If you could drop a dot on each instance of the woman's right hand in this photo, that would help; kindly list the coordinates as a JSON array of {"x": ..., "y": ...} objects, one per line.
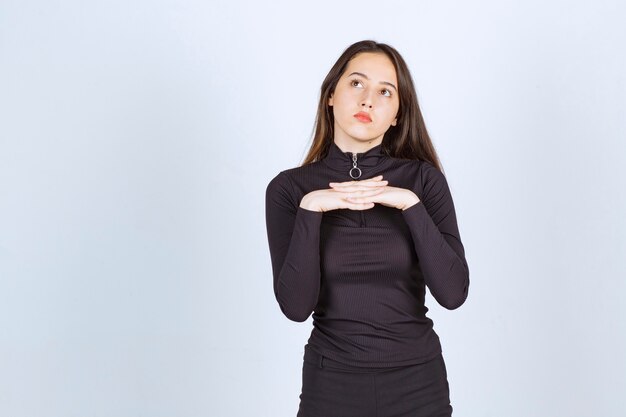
[{"x": 330, "y": 199}]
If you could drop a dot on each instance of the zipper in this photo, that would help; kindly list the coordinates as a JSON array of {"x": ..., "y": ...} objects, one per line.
[{"x": 355, "y": 172}]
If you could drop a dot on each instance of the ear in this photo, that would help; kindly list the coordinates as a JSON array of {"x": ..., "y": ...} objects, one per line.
[
  {"x": 395, "y": 121},
  {"x": 330, "y": 100}
]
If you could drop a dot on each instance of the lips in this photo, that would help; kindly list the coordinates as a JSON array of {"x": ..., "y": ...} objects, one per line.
[{"x": 364, "y": 117}]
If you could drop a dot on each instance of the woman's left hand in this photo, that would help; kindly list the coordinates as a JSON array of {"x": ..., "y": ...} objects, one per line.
[{"x": 399, "y": 198}]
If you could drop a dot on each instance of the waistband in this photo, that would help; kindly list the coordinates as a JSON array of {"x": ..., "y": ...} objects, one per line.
[{"x": 317, "y": 359}]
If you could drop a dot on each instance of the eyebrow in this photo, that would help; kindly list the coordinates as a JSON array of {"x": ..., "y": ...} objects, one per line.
[{"x": 367, "y": 78}]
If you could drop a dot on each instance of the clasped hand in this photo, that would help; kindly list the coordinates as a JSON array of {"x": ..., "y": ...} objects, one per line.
[{"x": 359, "y": 195}]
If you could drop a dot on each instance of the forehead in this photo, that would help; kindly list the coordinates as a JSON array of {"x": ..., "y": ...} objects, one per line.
[{"x": 377, "y": 66}]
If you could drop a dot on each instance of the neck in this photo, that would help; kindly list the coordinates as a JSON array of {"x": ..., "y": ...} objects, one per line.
[
  {"x": 367, "y": 161},
  {"x": 357, "y": 147}
]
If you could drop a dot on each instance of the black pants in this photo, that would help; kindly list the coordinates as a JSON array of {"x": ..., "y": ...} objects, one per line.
[{"x": 332, "y": 389}]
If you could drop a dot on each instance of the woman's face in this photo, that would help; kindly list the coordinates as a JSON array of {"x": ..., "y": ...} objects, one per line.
[{"x": 365, "y": 101}]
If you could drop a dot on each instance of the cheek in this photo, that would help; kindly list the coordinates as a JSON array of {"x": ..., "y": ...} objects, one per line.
[
  {"x": 343, "y": 103},
  {"x": 348, "y": 94},
  {"x": 394, "y": 108},
  {"x": 390, "y": 110}
]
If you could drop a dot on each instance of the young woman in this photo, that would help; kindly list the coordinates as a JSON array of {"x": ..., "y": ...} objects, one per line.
[{"x": 355, "y": 234}]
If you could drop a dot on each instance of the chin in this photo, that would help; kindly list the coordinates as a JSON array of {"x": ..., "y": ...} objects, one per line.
[{"x": 361, "y": 137}]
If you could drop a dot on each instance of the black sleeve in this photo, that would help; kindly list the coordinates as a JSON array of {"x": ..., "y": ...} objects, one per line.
[
  {"x": 293, "y": 234},
  {"x": 437, "y": 241}
]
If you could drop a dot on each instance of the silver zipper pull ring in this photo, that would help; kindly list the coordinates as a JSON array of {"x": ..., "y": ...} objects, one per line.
[{"x": 354, "y": 167}]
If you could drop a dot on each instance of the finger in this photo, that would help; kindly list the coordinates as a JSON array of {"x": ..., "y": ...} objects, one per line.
[
  {"x": 361, "y": 200},
  {"x": 360, "y": 206},
  {"x": 374, "y": 180},
  {"x": 360, "y": 193},
  {"x": 358, "y": 186}
]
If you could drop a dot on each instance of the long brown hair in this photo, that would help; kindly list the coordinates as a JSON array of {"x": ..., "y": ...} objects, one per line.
[{"x": 409, "y": 139}]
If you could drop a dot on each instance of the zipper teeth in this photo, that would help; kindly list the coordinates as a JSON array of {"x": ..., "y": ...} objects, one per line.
[{"x": 354, "y": 166}]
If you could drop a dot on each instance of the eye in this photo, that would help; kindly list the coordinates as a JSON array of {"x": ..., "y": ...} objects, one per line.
[
  {"x": 385, "y": 92},
  {"x": 355, "y": 83}
]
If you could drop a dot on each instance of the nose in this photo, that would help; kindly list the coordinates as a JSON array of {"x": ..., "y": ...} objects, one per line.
[{"x": 366, "y": 100}]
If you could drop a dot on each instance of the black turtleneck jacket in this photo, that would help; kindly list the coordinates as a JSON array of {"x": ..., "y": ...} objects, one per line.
[{"x": 362, "y": 273}]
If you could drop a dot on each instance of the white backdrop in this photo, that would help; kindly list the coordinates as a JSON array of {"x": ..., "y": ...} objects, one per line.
[{"x": 136, "y": 142}]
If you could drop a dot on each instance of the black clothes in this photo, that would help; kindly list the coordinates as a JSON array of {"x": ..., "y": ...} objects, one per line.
[
  {"x": 330, "y": 388},
  {"x": 363, "y": 272}
]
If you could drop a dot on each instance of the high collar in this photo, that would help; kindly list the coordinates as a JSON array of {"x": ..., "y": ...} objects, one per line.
[{"x": 343, "y": 161}]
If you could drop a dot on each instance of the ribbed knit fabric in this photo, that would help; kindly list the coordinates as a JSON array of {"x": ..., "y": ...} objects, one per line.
[{"x": 362, "y": 273}]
